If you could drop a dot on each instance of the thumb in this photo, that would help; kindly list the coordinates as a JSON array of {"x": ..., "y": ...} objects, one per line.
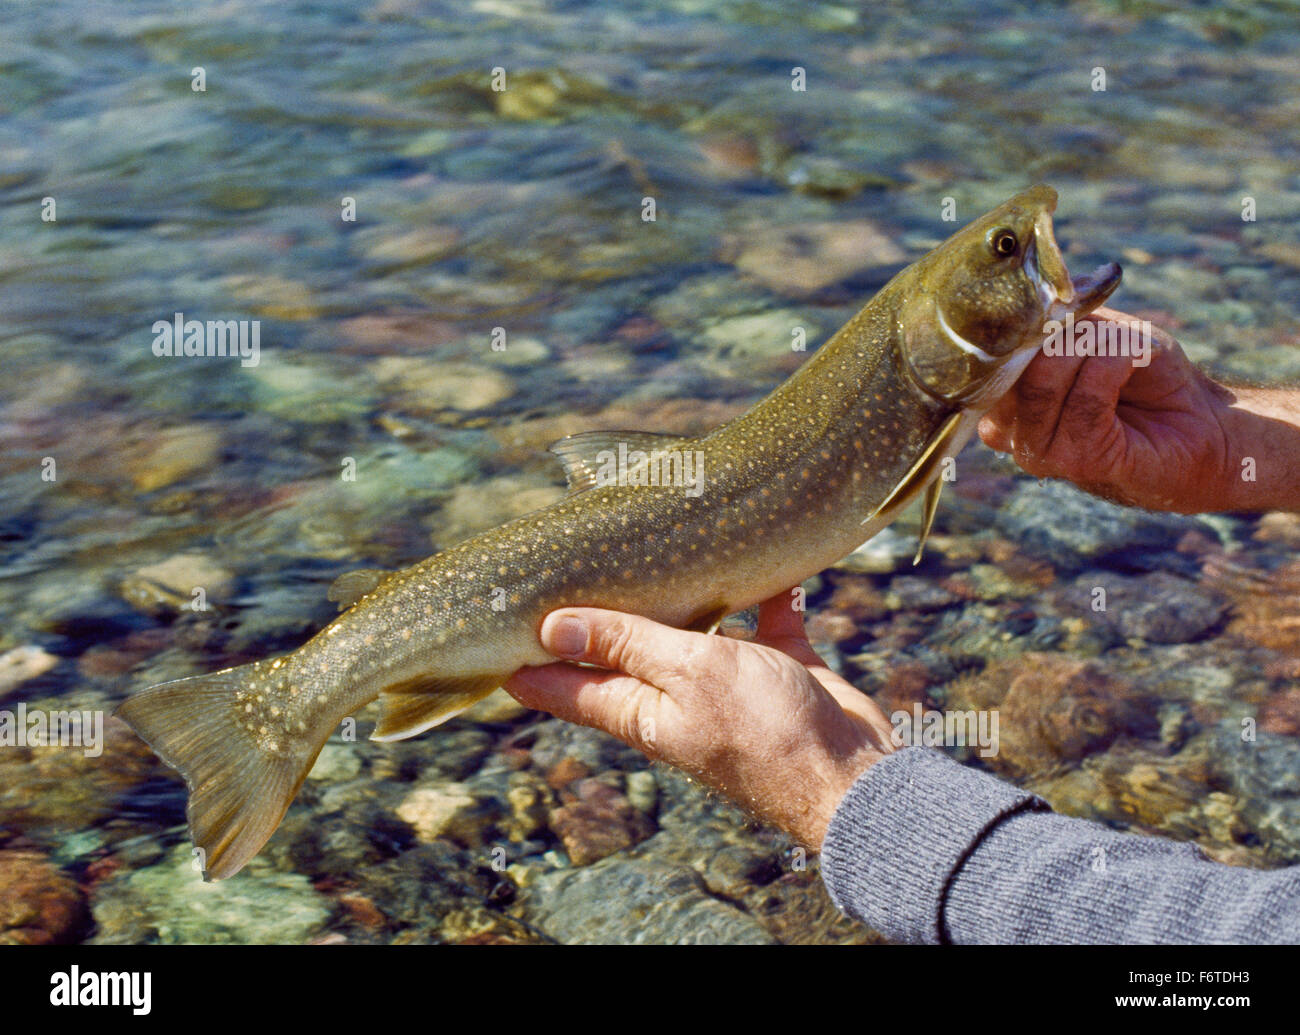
[
  {"x": 619, "y": 642},
  {"x": 627, "y": 700}
]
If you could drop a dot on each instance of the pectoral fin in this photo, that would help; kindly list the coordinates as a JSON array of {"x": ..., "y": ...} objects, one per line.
[
  {"x": 583, "y": 455},
  {"x": 927, "y": 519},
  {"x": 923, "y": 472}
]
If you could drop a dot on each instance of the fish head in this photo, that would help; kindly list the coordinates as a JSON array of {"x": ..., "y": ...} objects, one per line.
[{"x": 976, "y": 318}]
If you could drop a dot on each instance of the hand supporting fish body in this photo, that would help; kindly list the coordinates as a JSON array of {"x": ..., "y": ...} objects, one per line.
[{"x": 776, "y": 495}]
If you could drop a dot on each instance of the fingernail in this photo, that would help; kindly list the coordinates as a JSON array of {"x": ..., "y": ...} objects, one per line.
[{"x": 568, "y": 637}]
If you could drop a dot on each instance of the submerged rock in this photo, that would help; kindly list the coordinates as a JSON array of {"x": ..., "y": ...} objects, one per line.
[
  {"x": 806, "y": 257},
  {"x": 169, "y": 586},
  {"x": 451, "y": 810},
  {"x": 1158, "y": 608},
  {"x": 1052, "y": 710},
  {"x": 636, "y": 902},
  {"x": 1263, "y": 773},
  {"x": 170, "y": 904},
  {"x": 474, "y": 507},
  {"x": 171, "y": 455},
  {"x": 425, "y": 386},
  {"x": 1174, "y": 795},
  {"x": 19, "y": 665},
  {"x": 438, "y": 893},
  {"x": 597, "y": 820},
  {"x": 1068, "y": 527},
  {"x": 62, "y": 787},
  {"x": 39, "y": 903}
]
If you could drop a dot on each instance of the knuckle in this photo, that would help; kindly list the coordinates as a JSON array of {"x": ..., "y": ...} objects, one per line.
[
  {"x": 1035, "y": 400},
  {"x": 1086, "y": 416},
  {"x": 615, "y": 643}
]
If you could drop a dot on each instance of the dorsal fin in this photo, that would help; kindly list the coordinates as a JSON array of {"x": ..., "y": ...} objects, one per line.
[
  {"x": 584, "y": 454},
  {"x": 351, "y": 586}
]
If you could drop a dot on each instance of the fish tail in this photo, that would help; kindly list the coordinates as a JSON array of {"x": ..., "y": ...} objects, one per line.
[{"x": 240, "y": 780}]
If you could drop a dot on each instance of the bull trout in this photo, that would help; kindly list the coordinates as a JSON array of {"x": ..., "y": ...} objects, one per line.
[{"x": 815, "y": 469}]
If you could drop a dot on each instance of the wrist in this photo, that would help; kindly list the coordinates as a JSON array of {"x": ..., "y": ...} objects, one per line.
[
  {"x": 1262, "y": 428},
  {"x": 839, "y": 776}
]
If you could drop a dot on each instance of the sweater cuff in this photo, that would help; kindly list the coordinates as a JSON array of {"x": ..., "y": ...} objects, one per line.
[{"x": 902, "y": 832}]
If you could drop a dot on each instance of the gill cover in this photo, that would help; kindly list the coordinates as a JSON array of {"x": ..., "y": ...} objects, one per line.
[{"x": 977, "y": 297}]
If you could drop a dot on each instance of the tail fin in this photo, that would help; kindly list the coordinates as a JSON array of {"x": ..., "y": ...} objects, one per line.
[{"x": 239, "y": 788}]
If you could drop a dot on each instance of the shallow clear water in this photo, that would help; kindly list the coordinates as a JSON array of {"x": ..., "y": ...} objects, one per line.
[{"x": 521, "y": 209}]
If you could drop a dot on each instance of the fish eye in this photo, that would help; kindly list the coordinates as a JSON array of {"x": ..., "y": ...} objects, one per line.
[{"x": 1003, "y": 242}]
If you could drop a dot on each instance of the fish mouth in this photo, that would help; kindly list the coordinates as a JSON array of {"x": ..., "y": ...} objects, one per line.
[{"x": 1059, "y": 293}]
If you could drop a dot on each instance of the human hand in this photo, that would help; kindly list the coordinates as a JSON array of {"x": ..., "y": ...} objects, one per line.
[
  {"x": 1157, "y": 436},
  {"x": 765, "y": 723}
]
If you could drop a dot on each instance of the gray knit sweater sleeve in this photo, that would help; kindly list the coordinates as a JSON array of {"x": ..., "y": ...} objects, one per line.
[{"x": 926, "y": 850}]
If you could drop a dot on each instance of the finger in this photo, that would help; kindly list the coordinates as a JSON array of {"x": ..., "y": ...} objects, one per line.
[
  {"x": 1089, "y": 411},
  {"x": 995, "y": 426},
  {"x": 856, "y": 703},
  {"x": 1038, "y": 397},
  {"x": 657, "y": 654},
  {"x": 780, "y": 627},
  {"x": 622, "y": 705}
]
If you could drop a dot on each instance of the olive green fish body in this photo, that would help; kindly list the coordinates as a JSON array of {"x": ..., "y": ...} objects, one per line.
[{"x": 755, "y": 507}]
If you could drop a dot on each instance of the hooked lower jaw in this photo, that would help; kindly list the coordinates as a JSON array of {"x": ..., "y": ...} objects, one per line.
[
  {"x": 1090, "y": 290},
  {"x": 1085, "y": 293}
]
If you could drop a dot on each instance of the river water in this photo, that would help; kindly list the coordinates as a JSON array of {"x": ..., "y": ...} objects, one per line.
[{"x": 447, "y": 276}]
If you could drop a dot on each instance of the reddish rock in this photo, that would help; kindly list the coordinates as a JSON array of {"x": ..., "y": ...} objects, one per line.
[
  {"x": 39, "y": 904},
  {"x": 124, "y": 654},
  {"x": 363, "y": 911},
  {"x": 101, "y": 869},
  {"x": 984, "y": 487},
  {"x": 824, "y": 627},
  {"x": 1198, "y": 544},
  {"x": 1281, "y": 713},
  {"x": 1265, "y": 605},
  {"x": 565, "y": 771},
  {"x": 803, "y": 258},
  {"x": 1030, "y": 570},
  {"x": 905, "y": 684},
  {"x": 730, "y": 155},
  {"x": 382, "y": 334},
  {"x": 599, "y": 822},
  {"x": 859, "y": 599},
  {"x": 639, "y": 330},
  {"x": 1053, "y": 710}
]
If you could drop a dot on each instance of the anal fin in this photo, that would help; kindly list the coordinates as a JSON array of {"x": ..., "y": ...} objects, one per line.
[
  {"x": 708, "y": 620},
  {"x": 419, "y": 704}
]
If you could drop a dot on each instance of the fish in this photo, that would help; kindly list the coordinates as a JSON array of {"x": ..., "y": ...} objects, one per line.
[{"x": 785, "y": 490}]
